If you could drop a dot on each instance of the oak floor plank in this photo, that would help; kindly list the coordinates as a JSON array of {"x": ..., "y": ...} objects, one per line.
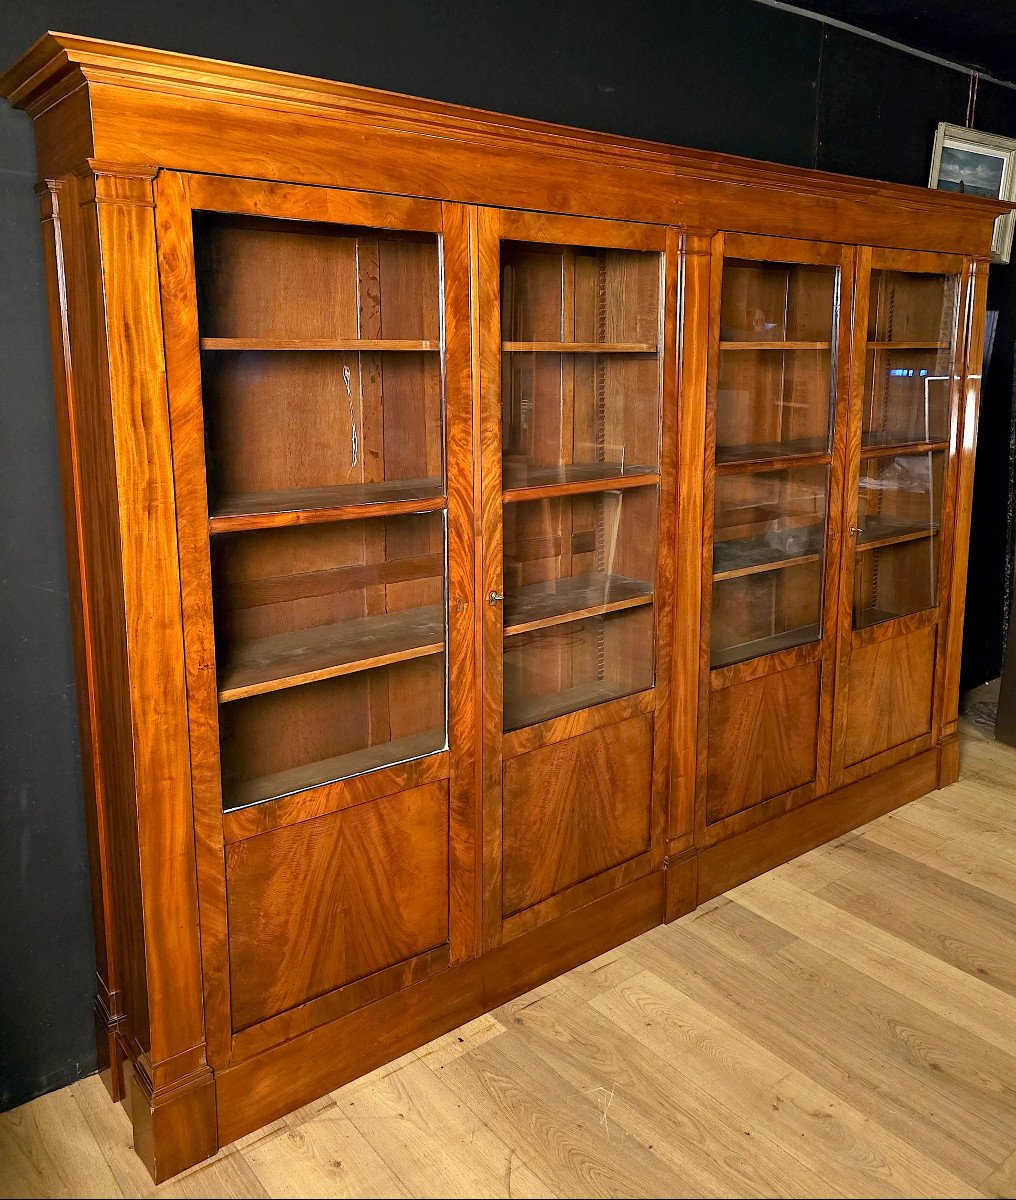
[
  {"x": 325, "y": 1156},
  {"x": 436, "y": 1145},
  {"x": 776, "y": 1003},
  {"x": 48, "y": 1149},
  {"x": 841, "y": 1146},
  {"x": 952, "y": 994},
  {"x": 529, "y": 1106},
  {"x": 644, "y": 1090}
]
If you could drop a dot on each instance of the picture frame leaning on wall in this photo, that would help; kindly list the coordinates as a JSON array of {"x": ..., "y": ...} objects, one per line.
[{"x": 981, "y": 164}]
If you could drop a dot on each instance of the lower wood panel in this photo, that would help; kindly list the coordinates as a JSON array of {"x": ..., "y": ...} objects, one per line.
[
  {"x": 890, "y": 686},
  {"x": 763, "y": 738},
  {"x": 574, "y": 809},
  {"x": 316, "y": 905}
]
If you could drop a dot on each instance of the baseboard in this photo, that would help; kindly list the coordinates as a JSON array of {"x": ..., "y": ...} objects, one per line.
[{"x": 740, "y": 858}]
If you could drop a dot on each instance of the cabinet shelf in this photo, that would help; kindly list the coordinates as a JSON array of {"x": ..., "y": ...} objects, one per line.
[
  {"x": 579, "y": 347},
  {"x": 882, "y": 345},
  {"x": 892, "y": 444},
  {"x": 795, "y": 452},
  {"x": 343, "y": 766},
  {"x": 771, "y": 344},
  {"x": 882, "y": 532},
  {"x": 364, "y": 345},
  {"x": 534, "y": 710},
  {"x": 754, "y": 555},
  {"x": 327, "y": 651},
  {"x": 540, "y": 605},
  {"x": 524, "y": 482},
  {"x": 343, "y": 502},
  {"x": 766, "y": 645}
]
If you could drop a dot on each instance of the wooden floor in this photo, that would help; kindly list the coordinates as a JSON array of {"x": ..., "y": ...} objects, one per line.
[{"x": 844, "y": 1026}]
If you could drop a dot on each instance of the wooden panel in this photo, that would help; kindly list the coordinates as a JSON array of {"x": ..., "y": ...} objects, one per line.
[
  {"x": 889, "y": 693},
  {"x": 370, "y": 884},
  {"x": 762, "y": 739},
  {"x": 574, "y": 809}
]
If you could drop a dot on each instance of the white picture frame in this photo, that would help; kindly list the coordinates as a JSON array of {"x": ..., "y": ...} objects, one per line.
[{"x": 981, "y": 164}]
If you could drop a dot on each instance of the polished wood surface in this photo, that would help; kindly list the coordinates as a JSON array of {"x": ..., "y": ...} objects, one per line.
[
  {"x": 322, "y": 876},
  {"x": 479, "y": 556},
  {"x": 889, "y": 688},
  {"x": 575, "y": 808},
  {"x": 763, "y": 739},
  {"x": 889, "y": 1032}
]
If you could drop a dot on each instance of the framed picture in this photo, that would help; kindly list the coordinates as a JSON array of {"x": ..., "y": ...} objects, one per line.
[{"x": 982, "y": 164}]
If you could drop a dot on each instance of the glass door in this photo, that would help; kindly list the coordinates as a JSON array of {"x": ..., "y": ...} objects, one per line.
[
  {"x": 324, "y": 437},
  {"x": 769, "y": 586},
  {"x": 322, "y": 525},
  {"x": 580, "y": 470},
  {"x": 907, "y": 382},
  {"x": 572, "y": 442}
]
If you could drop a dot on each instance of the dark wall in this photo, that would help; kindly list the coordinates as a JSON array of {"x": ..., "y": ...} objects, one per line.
[{"x": 728, "y": 75}]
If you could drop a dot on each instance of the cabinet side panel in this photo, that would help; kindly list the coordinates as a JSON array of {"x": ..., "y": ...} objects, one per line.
[
  {"x": 122, "y": 206},
  {"x": 109, "y": 1000},
  {"x": 102, "y": 581}
]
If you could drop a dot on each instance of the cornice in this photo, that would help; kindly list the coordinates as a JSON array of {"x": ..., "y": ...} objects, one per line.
[{"x": 58, "y": 64}]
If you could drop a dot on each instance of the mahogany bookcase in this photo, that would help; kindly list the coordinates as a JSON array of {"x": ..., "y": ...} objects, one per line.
[{"x": 487, "y": 540}]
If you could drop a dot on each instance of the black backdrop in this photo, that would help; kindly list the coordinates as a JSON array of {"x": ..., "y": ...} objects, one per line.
[{"x": 729, "y": 75}]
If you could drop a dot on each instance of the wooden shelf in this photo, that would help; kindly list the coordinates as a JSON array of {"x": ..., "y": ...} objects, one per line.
[
  {"x": 523, "y": 482},
  {"x": 534, "y": 710},
  {"x": 540, "y": 605},
  {"x": 343, "y": 502},
  {"x": 343, "y": 766},
  {"x": 579, "y": 347},
  {"x": 327, "y": 651},
  {"x": 771, "y": 344},
  {"x": 796, "y": 452},
  {"x": 755, "y": 555},
  {"x": 882, "y": 532},
  {"x": 366, "y": 345},
  {"x": 766, "y": 645},
  {"x": 909, "y": 345},
  {"x": 899, "y": 445},
  {"x": 864, "y": 618}
]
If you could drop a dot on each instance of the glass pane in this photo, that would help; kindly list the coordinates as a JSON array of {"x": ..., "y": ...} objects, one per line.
[
  {"x": 283, "y": 742},
  {"x": 777, "y": 356},
  {"x": 581, "y": 364},
  {"x": 563, "y": 668},
  {"x": 768, "y": 561},
  {"x": 339, "y": 624},
  {"x": 908, "y": 384},
  {"x": 568, "y": 562},
  {"x": 899, "y": 512},
  {"x": 321, "y": 366}
]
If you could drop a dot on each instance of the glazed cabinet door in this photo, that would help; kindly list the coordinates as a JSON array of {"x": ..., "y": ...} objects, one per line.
[
  {"x": 900, "y": 496},
  {"x": 316, "y": 408},
  {"x": 577, "y": 503},
  {"x": 776, "y": 396}
]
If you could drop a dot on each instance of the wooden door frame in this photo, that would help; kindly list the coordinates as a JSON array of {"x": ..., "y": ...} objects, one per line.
[
  {"x": 495, "y": 226},
  {"x": 791, "y": 250},
  {"x": 178, "y": 195},
  {"x": 849, "y": 639}
]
